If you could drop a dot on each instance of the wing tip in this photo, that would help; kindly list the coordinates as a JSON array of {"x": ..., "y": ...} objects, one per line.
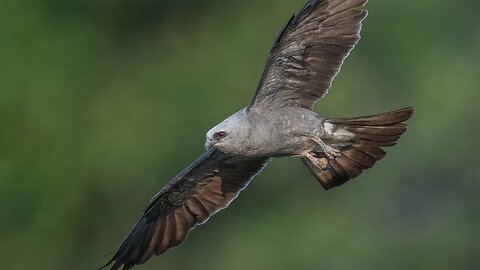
[
  {"x": 106, "y": 265},
  {"x": 310, "y": 5}
]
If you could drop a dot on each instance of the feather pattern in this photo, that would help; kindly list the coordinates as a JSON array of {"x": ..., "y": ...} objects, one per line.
[
  {"x": 308, "y": 53},
  {"x": 208, "y": 185},
  {"x": 371, "y": 134}
]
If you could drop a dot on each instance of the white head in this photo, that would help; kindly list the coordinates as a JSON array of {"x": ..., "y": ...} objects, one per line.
[{"x": 229, "y": 136}]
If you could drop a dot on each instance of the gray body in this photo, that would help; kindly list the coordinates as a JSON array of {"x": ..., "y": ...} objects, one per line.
[{"x": 288, "y": 131}]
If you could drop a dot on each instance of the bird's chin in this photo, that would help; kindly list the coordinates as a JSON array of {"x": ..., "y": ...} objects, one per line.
[
  {"x": 225, "y": 149},
  {"x": 218, "y": 146}
]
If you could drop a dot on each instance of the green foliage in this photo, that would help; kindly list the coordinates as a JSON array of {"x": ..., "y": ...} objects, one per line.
[{"x": 102, "y": 102}]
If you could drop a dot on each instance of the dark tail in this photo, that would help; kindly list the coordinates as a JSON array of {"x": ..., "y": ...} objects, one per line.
[{"x": 371, "y": 134}]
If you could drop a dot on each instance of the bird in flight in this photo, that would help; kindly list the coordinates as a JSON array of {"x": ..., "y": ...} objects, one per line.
[{"x": 279, "y": 122}]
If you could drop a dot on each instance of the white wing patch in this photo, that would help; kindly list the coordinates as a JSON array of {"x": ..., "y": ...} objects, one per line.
[
  {"x": 337, "y": 132},
  {"x": 328, "y": 128}
]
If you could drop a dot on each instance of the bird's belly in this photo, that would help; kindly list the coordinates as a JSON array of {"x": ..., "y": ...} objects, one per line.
[
  {"x": 293, "y": 146},
  {"x": 283, "y": 133}
]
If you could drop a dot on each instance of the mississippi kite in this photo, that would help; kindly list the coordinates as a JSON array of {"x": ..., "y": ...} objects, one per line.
[{"x": 279, "y": 122}]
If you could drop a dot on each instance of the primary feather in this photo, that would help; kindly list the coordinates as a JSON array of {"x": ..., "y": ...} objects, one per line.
[
  {"x": 309, "y": 53},
  {"x": 208, "y": 185}
]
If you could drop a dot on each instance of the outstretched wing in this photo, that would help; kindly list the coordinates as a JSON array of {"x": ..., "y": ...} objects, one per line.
[
  {"x": 308, "y": 53},
  {"x": 208, "y": 185}
]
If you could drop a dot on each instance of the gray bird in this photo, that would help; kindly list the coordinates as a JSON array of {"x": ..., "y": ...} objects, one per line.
[{"x": 279, "y": 122}]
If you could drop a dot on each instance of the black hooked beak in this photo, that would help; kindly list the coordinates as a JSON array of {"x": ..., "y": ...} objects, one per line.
[{"x": 208, "y": 143}]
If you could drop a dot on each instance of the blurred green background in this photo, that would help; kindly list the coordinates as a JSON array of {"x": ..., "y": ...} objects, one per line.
[{"x": 102, "y": 102}]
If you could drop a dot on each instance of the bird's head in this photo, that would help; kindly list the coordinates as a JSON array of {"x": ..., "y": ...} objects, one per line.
[
  {"x": 229, "y": 135},
  {"x": 216, "y": 136}
]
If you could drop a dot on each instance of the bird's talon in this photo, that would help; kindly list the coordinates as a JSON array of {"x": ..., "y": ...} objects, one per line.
[
  {"x": 323, "y": 163},
  {"x": 332, "y": 153}
]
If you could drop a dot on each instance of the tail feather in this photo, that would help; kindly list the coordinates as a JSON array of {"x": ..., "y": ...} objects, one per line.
[
  {"x": 371, "y": 134},
  {"x": 381, "y": 119}
]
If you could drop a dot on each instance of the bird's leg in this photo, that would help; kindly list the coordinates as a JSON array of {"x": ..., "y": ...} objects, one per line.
[{"x": 330, "y": 151}]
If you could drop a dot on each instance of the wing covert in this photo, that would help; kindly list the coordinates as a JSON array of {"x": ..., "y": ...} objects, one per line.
[
  {"x": 308, "y": 53},
  {"x": 208, "y": 185}
]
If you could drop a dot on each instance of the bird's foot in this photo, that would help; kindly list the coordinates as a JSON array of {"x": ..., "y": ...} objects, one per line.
[
  {"x": 320, "y": 162},
  {"x": 330, "y": 151}
]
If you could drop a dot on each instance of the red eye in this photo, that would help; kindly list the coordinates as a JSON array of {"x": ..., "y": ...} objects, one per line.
[{"x": 220, "y": 135}]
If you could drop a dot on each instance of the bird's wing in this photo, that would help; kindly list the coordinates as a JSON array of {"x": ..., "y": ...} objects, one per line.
[
  {"x": 208, "y": 185},
  {"x": 308, "y": 53}
]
